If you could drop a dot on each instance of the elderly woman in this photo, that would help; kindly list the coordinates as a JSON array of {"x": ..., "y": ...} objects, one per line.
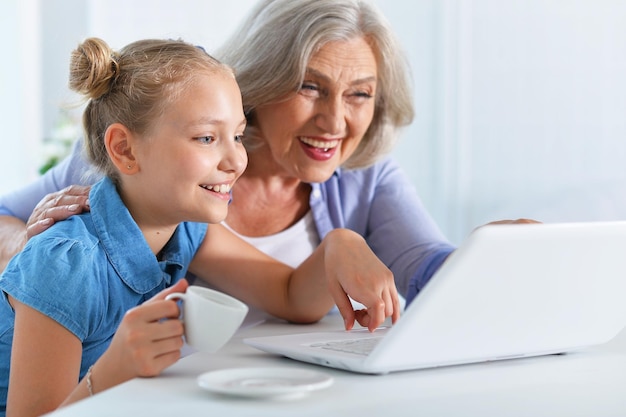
[{"x": 325, "y": 90}]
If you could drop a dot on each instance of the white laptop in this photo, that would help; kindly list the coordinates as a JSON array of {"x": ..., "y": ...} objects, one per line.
[{"x": 509, "y": 291}]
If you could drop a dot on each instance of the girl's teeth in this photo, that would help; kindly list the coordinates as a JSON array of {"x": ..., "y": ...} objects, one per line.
[{"x": 222, "y": 188}]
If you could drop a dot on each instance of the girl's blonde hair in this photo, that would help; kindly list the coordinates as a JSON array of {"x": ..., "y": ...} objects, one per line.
[{"x": 133, "y": 86}]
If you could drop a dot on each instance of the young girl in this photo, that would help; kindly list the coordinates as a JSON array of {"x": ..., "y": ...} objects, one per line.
[{"x": 164, "y": 122}]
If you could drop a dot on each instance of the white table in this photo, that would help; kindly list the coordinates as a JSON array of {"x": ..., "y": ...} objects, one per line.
[{"x": 587, "y": 383}]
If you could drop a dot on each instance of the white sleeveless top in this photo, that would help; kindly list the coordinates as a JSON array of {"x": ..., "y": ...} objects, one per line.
[{"x": 291, "y": 246}]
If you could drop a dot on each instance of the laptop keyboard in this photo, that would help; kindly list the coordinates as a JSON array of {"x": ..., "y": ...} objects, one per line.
[{"x": 358, "y": 346}]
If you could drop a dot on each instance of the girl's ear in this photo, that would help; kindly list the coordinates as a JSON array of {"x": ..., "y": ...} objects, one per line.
[{"x": 119, "y": 145}]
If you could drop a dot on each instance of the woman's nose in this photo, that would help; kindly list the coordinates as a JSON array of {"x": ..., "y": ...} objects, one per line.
[{"x": 331, "y": 115}]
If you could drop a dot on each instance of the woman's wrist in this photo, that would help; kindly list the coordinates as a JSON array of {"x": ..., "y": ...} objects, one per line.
[{"x": 13, "y": 238}]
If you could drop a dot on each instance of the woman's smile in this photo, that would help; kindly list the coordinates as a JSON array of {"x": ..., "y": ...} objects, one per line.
[{"x": 319, "y": 149}]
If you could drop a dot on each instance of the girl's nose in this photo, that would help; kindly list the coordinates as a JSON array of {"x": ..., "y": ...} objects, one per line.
[{"x": 235, "y": 157}]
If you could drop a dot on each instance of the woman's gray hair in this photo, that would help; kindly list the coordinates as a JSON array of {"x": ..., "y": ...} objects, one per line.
[{"x": 272, "y": 48}]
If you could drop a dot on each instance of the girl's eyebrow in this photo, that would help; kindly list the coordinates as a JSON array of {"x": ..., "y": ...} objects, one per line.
[
  {"x": 316, "y": 73},
  {"x": 212, "y": 121}
]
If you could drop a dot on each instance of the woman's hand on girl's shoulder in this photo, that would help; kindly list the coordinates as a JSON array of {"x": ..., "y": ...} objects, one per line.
[{"x": 56, "y": 207}]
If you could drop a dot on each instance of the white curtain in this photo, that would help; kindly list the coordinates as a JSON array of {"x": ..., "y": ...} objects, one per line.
[
  {"x": 20, "y": 92},
  {"x": 529, "y": 112}
]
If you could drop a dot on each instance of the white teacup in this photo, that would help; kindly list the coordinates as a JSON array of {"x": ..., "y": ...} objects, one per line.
[{"x": 210, "y": 317}]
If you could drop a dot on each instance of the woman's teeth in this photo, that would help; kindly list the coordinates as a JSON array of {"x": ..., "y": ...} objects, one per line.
[{"x": 320, "y": 144}]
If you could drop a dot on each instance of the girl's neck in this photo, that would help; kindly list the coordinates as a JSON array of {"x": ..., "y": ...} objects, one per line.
[
  {"x": 155, "y": 231},
  {"x": 157, "y": 237}
]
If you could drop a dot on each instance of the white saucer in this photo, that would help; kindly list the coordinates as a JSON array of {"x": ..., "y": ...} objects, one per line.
[{"x": 264, "y": 382}]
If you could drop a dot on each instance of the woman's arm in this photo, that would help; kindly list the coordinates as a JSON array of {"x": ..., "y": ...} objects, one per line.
[
  {"x": 400, "y": 230},
  {"x": 12, "y": 238},
  {"x": 32, "y": 209},
  {"x": 398, "y": 227},
  {"x": 14, "y": 233}
]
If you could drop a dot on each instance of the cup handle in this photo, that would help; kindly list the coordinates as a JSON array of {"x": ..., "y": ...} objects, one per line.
[{"x": 176, "y": 295}]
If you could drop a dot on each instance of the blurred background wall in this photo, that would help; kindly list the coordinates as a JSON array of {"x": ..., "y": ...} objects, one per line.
[{"x": 521, "y": 104}]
